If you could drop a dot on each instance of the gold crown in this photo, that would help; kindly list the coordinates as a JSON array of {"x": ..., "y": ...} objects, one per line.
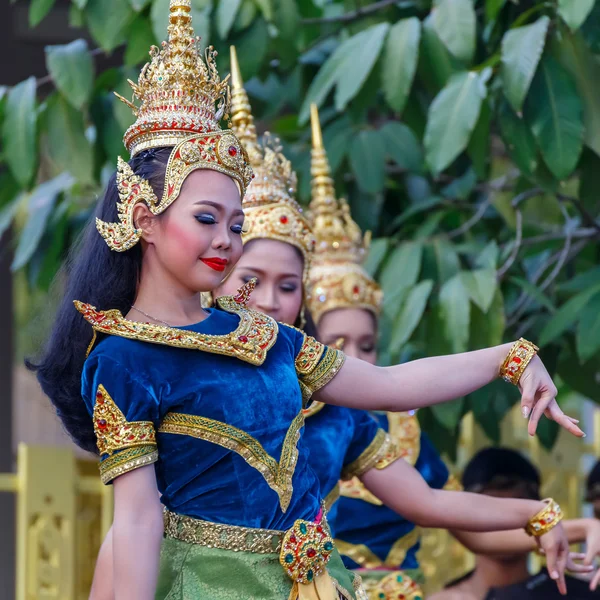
[
  {"x": 269, "y": 205},
  {"x": 337, "y": 278}
]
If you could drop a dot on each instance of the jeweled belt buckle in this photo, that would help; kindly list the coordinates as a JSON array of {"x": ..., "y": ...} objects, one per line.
[{"x": 305, "y": 551}]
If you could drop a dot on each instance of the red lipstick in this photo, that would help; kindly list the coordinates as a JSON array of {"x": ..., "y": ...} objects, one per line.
[{"x": 218, "y": 264}]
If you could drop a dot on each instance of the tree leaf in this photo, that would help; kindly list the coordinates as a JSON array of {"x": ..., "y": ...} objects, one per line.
[
  {"x": 226, "y": 13},
  {"x": 367, "y": 157},
  {"x": 376, "y": 254},
  {"x": 358, "y": 63},
  {"x": 451, "y": 120},
  {"x": 72, "y": 70},
  {"x": 8, "y": 212},
  {"x": 588, "y": 330},
  {"x": 578, "y": 60},
  {"x": 535, "y": 293},
  {"x": 139, "y": 5},
  {"x": 436, "y": 64},
  {"x": 456, "y": 313},
  {"x": 141, "y": 37},
  {"x": 68, "y": 146},
  {"x": 566, "y": 315},
  {"x": 19, "y": 134},
  {"x": 488, "y": 257},
  {"x": 479, "y": 144},
  {"x": 581, "y": 378},
  {"x": 400, "y": 60},
  {"x": 266, "y": 8},
  {"x": 554, "y": 112},
  {"x": 481, "y": 286},
  {"x": 401, "y": 269},
  {"x": 410, "y": 315},
  {"x": 38, "y": 11},
  {"x": 252, "y": 47},
  {"x": 108, "y": 20},
  {"x": 574, "y": 13},
  {"x": 41, "y": 203},
  {"x": 521, "y": 52},
  {"x": 455, "y": 23},
  {"x": 493, "y": 8},
  {"x": 448, "y": 263},
  {"x": 287, "y": 18},
  {"x": 449, "y": 414},
  {"x": 518, "y": 138},
  {"x": 402, "y": 145},
  {"x": 487, "y": 328}
]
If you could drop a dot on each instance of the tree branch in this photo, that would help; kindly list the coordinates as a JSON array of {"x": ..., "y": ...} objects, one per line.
[{"x": 359, "y": 13}]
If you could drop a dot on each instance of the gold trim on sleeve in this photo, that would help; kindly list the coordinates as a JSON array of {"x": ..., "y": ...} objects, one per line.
[
  {"x": 359, "y": 553},
  {"x": 401, "y": 546},
  {"x": 325, "y": 371},
  {"x": 375, "y": 452},
  {"x": 332, "y": 497},
  {"x": 354, "y": 488},
  {"x": 113, "y": 431},
  {"x": 127, "y": 460},
  {"x": 309, "y": 356},
  {"x": 278, "y": 475}
]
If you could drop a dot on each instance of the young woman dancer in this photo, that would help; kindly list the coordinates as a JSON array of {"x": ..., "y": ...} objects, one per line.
[{"x": 196, "y": 404}]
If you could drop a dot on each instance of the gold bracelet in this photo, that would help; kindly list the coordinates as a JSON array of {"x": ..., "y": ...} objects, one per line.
[
  {"x": 515, "y": 363},
  {"x": 545, "y": 520}
]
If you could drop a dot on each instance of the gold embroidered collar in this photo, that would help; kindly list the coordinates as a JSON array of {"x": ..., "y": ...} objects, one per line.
[{"x": 250, "y": 342}]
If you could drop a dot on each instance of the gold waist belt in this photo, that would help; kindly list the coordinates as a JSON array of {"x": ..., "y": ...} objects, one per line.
[{"x": 225, "y": 537}]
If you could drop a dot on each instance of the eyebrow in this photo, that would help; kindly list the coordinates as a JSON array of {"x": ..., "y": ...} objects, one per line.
[
  {"x": 236, "y": 213},
  {"x": 262, "y": 272}
]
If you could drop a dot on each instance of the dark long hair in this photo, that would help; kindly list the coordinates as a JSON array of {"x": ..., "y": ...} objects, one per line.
[{"x": 103, "y": 278}]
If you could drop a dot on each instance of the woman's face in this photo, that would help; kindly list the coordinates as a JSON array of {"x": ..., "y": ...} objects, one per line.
[
  {"x": 278, "y": 268},
  {"x": 197, "y": 240},
  {"x": 358, "y": 328}
]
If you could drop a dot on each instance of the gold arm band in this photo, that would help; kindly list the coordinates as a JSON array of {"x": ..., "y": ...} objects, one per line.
[
  {"x": 545, "y": 520},
  {"x": 516, "y": 361}
]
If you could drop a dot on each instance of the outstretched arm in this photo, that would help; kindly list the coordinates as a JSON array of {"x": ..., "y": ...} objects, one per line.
[
  {"x": 103, "y": 585},
  {"x": 430, "y": 381},
  {"x": 137, "y": 535}
]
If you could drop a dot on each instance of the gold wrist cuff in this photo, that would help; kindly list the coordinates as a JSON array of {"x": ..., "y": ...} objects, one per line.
[
  {"x": 545, "y": 520},
  {"x": 516, "y": 361}
]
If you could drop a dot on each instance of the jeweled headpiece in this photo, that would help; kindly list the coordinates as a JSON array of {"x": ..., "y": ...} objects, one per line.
[
  {"x": 182, "y": 99},
  {"x": 269, "y": 206},
  {"x": 337, "y": 277}
]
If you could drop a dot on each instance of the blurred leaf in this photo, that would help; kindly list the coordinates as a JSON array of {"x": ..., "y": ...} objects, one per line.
[
  {"x": 108, "y": 20},
  {"x": 588, "y": 330},
  {"x": 226, "y": 12},
  {"x": 490, "y": 404},
  {"x": 555, "y": 114},
  {"x": 19, "y": 133},
  {"x": 436, "y": 64},
  {"x": 287, "y": 19},
  {"x": 245, "y": 16},
  {"x": 376, "y": 254},
  {"x": 401, "y": 269},
  {"x": 521, "y": 52},
  {"x": 410, "y": 315},
  {"x": 359, "y": 63},
  {"x": 456, "y": 312},
  {"x": 590, "y": 29},
  {"x": 488, "y": 257},
  {"x": 584, "y": 379},
  {"x": 266, "y": 8},
  {"x": 397, "y": 75},
  {"x": 584, "y": 67},
  {"x": 448, "y": 263},
  {"x": 547, "y": 432},
  {"x": 141, "y": 37},
  {"x": 449, "y": 413},
  {"x": 567, "y": 314},
  {"x": 574, "y": 13},
  {"x": 535, "y": 293},
  {"x": 8, "y": 212},
  {"x": 80, "y": 4},
  {"x": 481, "y": 286},
  {"x": 582, "y": 281},
  {"x": 479, "y": 145},
  {"x": 461, "y": 187},
  {"x": 487, "y": 328},
  {"x": 367, "y": 157},
  {"x": 337, "y": 138},
  {"x": 68, "y": 147},
  {"x": 518, "y": 138},
  {"x": 402, "y": 145},
  {"x": 38, "y": 9},
  {"x": 492, "y": 8},
  {"x": 252, "y": 48},
  {"x": 454, "y": 21},
  {"x": 41, "y": 203},
  {"x": 139, "y": 5},
  {"x": 452, "y": 118},
  {"x": 72, "y": 70}
]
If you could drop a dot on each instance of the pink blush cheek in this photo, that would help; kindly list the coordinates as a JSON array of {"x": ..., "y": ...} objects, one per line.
[{"x": 185, "y": 240}]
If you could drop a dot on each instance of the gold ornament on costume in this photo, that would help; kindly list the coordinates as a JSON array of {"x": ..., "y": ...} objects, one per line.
[
  {"x": 337, "y": 278},
  {"x": 269, "y": 205},
  {"x": 182, "y": 100}
]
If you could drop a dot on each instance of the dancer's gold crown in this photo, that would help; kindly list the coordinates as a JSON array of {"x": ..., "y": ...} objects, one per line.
[
  {"x": 269, "y": 205},
  {"x": 337, "y": 278}
]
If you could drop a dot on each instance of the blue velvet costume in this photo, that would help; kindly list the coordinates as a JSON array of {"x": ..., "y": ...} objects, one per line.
[{"x": 361, "y": 520}]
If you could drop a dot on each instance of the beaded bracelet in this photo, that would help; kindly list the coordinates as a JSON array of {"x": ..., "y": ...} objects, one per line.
[
  {"x": 516, "y": 361},
  {"x": 545, "y": 520}
]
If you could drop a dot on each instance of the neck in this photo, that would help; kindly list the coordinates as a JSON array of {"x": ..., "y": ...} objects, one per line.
[
  {"x": 490, "y": 572},
  {"x": 165, "y": 299}
]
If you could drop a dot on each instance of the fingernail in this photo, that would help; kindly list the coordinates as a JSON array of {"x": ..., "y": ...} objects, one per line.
[
  {"x": 584, "y": 435},
  {"x": 554, "y": 575},
  {"x": 525, "y": 411}
]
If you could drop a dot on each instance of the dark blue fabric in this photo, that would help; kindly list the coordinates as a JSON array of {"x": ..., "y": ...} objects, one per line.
[
  {"x": 378, "y": 527},
  {"x": 337, "y": 436},
  {"x": 196, "y": 477}
]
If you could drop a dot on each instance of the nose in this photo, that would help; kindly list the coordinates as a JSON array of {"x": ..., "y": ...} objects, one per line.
[
  {"x": 222, "y": 239},
  {"x": 267, "y": 300}
]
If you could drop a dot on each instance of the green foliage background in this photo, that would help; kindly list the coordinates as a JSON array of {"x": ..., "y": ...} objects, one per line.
[{"x": 465, "y": 134}]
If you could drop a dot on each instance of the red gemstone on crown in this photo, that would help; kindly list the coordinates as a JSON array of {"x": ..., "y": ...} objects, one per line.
[
  {"x": 232, "y": 151},
  {"x": 243, "y": 339},
  {"x": 355, "y": 289},
  {"x": 311, "y": 552},
  {"x": 283, "y": 219},
  {"x": 102, "y": 424}
]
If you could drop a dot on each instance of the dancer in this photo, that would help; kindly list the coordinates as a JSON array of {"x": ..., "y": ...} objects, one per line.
[{"x": 196, "y": 403}]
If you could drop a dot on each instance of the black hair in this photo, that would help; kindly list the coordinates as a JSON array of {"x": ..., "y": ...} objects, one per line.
[
  {"x": 592, "y": 486},
  {"x": 501, "y": 469},
  {"x": 103, "y": 278}
]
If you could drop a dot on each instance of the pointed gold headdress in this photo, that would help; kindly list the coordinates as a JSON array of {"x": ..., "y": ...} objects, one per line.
[
  {"x": 182, "y": 99},
  {"x": 269, "y": 205},
  {"x": 337, "y": 277}
]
